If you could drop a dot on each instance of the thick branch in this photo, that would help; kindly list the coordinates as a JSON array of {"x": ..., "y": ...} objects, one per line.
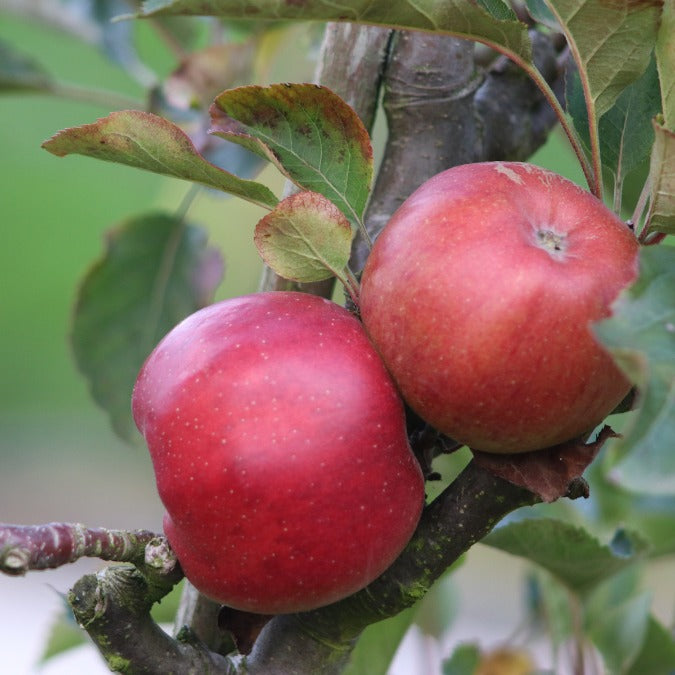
[
  {"x": 514, "y": 116},
  {"x": 113, "y": 606},
  {"x": 461, "y": 516},
  {"x": 429, "y": 83}
]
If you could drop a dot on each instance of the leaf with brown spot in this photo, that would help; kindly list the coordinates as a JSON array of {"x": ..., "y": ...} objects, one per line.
[
  {"x": 308, "y": 132},
  {"x": 551, "y": 473}
]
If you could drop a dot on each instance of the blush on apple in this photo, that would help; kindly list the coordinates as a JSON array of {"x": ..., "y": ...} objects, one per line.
[
  {"x": 279, "y": 446},
  {"x": 480, "y": 293}
]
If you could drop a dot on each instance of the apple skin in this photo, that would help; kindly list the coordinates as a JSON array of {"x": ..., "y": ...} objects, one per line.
[
  {"x": 479, "y": 294},
  {"x": 280, "y": 451}
]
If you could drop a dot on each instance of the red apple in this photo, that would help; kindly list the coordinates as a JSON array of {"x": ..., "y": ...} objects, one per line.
[
  {"x": 480, "y": 293},
  {"x": 279, "y": 446}
]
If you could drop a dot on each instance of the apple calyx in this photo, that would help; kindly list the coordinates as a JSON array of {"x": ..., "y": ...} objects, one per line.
[{"x": 552, "y": 242}]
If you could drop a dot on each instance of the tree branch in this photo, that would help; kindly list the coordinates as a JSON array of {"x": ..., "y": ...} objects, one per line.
[
  {"x": 113, "y": 606},
  {"x": 462, "y": 515},
  {"x": 514, "y": 116},
  {"x": 429, "y": 84},
  {"x": 40, "y": 547}
]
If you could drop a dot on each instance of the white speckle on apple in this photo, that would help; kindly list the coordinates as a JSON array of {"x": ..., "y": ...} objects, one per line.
[{"x": 508, "y": 172}]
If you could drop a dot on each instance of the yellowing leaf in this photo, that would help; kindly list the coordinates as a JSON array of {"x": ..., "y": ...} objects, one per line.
[
  {"x": 305, "y": 238},
  {"x": 150, "y": 142}
]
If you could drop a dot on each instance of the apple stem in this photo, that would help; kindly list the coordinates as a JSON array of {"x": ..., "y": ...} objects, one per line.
[{"x": 351, "y": 284}]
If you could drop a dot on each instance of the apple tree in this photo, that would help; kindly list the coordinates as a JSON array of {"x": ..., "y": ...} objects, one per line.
[{"x": 337, "y": 548}]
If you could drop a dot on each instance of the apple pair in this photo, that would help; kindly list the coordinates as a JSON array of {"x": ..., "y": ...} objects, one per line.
[{"x": 278, "y": 436}]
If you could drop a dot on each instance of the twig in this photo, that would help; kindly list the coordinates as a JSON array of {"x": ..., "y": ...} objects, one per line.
[{"x": 40, "y": 547}]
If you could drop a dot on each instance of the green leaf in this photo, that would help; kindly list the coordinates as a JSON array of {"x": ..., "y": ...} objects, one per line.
[
  {"x": 615, "y": 618},
  {"x": 576, "y": 106},
  {"x": 309, "y": 132},
  {"x": 657, "y": 655},
  {"x": 626, "y": 132},
  {"x": 552, "y": 607},
  {"x": 619, "y": 631},
  {"x": 570, "y": 553},
  {"x": 22, "y": 73},
  {"x": 611, "y": 43},
  {"x": 539, "y": 11},
  {"x": 377, "y": 645},
  {"x": 641, "y": 336},
  {"x": 665, "y": 61},
  {"x": 155, "y": 271},
  {"x": 463, "y": 661},
  {"x": 498, "y": 9},
  {"x": 455, "y": 17},
  {"x": 305, "y": 238},
  {"x": 64, "y": 634},
  {"x": 661, "y": 217},
  {"x": 149, "y": 142}
]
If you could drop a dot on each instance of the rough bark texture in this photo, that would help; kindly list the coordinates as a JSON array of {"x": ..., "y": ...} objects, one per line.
[{"x": 113, "y": 606}]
